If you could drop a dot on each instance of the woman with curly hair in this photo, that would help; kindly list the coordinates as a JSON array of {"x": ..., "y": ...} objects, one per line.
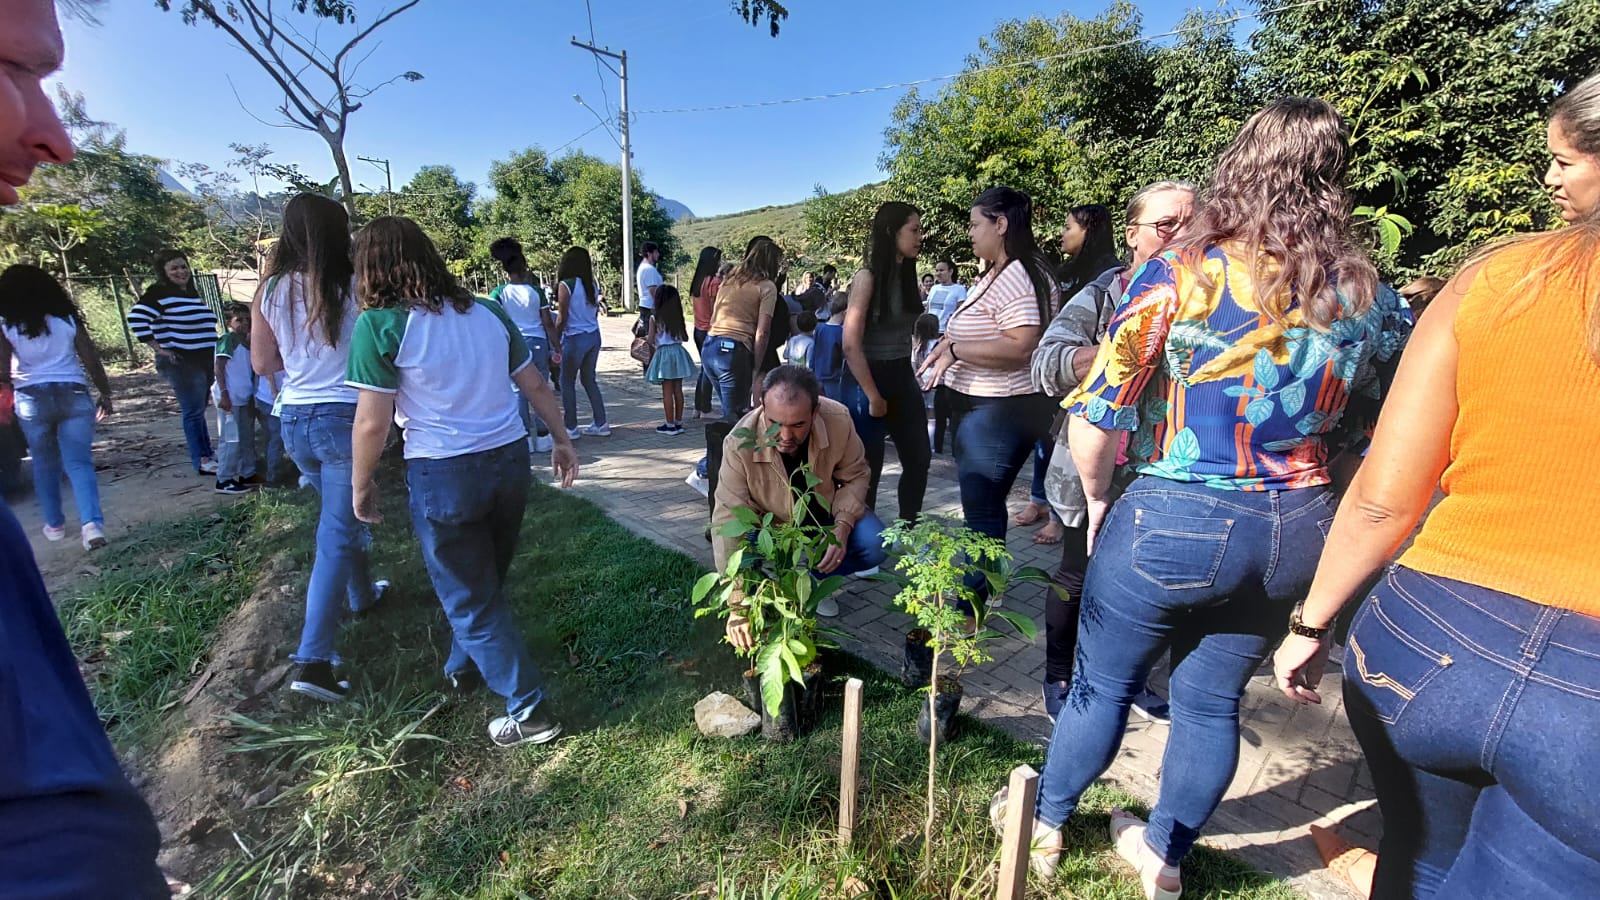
[
  {"x": 427, "y": 355},
  {"x": 1231, "y": 358}
]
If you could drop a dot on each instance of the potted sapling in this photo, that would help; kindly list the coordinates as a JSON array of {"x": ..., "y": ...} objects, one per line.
[{"x": 769, "y": 580}]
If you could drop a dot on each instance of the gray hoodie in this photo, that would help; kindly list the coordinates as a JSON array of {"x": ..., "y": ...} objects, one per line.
[{"x": 1080, "y": 326}]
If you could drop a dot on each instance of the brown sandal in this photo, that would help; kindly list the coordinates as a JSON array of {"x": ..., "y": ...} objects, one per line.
[{"x": 1354, "y": 865}]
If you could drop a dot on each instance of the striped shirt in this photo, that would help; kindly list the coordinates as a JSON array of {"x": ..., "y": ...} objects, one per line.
[
  {"x": 1000, "y": 301},
  {"x": 176, "y": 323}
]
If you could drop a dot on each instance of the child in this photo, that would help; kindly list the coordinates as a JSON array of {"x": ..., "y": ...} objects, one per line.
[
  {"x": 429, "y": 356},
  {"x": 797, "y": 352},
  {"x": 827, "y": 349},
  {"x": 924, "y": 337},
  {"x": 671, "y": 363},
  {"x": 235, "y": 393}
]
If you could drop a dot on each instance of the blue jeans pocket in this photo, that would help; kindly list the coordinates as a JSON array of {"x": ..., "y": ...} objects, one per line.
[
  {"x": 1178, "y": 552},
  {"x": 453, "y": 494},
  {"x": 1385, "y": 663}
]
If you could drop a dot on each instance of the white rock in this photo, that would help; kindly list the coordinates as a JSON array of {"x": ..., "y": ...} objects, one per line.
[{"x": 719, "y": 715}]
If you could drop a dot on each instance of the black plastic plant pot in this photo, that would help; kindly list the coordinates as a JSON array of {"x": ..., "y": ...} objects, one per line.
[
  {"x": 945, "y": 705},
  {"x": 917, "y": 667},
  {"x": 798, "y": 712}
]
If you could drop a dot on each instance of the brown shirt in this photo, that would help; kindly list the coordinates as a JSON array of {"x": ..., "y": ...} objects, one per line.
[
  {"x": 740, "y": 306},
  {"x": 758, "y": 479}
]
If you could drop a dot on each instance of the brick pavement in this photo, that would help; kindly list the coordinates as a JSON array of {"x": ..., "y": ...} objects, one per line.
[{"x": 1298, "y": 764}]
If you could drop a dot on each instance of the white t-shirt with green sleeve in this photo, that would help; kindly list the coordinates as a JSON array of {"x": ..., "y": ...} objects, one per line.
[{"x": 446, "y": 371}]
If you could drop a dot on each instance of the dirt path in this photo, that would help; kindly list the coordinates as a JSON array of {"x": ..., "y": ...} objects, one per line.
[{"x": 143, "y": 467}]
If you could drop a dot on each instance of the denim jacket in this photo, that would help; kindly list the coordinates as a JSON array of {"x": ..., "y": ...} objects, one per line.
[{"x": 757, "y": 478}]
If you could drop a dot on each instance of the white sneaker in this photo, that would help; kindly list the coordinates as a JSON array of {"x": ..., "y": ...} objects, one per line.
[
  {"x": 600, "y": 430},
  {"x": 544, "y": 443},
  {"x": 827, "y": 607},
  {"x": 305, "y": 482},
  {"x": 866, "y": 573},
  {"x": 574, "y": 433},
  {"x": 54, "y": 533},
  {"x": 208, "y": 467},
  {"x": 94, "y": 537}
]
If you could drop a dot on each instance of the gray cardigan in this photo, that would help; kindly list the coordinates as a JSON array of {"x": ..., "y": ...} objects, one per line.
[{"x": 1081, "y": 324}]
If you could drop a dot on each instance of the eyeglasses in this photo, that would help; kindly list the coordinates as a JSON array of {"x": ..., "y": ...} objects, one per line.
[{"x": 1166, "y": 227}]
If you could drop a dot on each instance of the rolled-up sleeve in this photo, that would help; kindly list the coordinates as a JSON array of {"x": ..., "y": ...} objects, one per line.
[{"x": 1132, "y": 349}]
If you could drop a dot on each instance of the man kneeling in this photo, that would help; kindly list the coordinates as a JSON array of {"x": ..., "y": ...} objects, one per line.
[{"x": 811, "y": 429}]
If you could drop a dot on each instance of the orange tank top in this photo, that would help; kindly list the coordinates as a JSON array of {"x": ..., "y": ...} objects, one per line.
[{"x": 1520, "y": 501}]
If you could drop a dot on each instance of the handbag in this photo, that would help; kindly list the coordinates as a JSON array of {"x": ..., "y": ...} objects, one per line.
[
  {"x": 641, "y": 326},
  {"x": 643, "y": 350}
]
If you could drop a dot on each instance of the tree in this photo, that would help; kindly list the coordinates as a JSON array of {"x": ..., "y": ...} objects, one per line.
[
  {"x": 64, "y": 227},
  {"x": 753, "y": 11},
  {"x": 291, "y": 59},
  {"x": 837, "y": 225},
  {"x": 121, "y": 191}
]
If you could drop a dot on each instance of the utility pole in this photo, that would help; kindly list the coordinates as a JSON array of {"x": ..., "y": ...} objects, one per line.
[
  {"x": 388, "y": 179},
  {"x": 627, "y": 175}
]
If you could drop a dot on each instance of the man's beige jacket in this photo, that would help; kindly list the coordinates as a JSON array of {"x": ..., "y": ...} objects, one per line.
[{"x": 757, "y": 478}]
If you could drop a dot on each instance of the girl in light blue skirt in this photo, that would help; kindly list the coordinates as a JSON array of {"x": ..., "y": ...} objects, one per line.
[{"x": 671, "y": 363}]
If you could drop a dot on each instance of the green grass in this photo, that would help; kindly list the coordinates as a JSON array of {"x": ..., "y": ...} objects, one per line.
[{"x": 399, "y": 793}]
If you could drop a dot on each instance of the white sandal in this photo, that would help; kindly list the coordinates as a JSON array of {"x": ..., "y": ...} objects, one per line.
[
  {"x": 1044, "y": 852},
  {"x": 1127, "y": 833}
]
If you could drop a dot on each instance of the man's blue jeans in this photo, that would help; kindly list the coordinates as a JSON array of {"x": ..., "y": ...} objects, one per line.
[
  {"x": 863, "y": 549},
  {"x": 190, "y": 378},
  {"x": 1479, "y": 714},
  {"x": 58, "y": 421},
  {"x": 541, "y": 362},
  {"x": 1211, "y": 575},
  {"x": 467, "y": 512},
  {"x": 730, "y": 366},
  {"x": 317, "y": 437},
  {"x": 580, "y": 355}
]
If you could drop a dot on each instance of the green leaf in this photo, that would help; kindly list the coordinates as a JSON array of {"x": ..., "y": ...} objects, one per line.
[
  {"x": 1023, "y": 625},
  {"x": 769, "y": 664},
  {"x": 733, "y": 529},
  {"x": 749, "y": 517},
  {"x": 703, "y": 587}
]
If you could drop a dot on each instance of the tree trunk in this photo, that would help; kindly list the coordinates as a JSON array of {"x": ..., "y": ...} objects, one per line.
[{"x": 336, "y": 146}]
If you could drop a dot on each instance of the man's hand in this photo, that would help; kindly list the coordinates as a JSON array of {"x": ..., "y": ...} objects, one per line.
[
  {"x": 564, "y": 460},
  {"x": 364, "y": 498},
  {"x": 1297, "y": 667},
  {"x": 103, "y": 408},
  {"x": 835, "y": 554},
  {"x": 878, "y": 407},
  {"x": 226, "y": 402},
  {"x": 738, "y": 631}
]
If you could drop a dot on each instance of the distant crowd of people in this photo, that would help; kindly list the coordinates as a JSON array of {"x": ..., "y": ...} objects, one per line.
[{"x": 1203, "y": 418}]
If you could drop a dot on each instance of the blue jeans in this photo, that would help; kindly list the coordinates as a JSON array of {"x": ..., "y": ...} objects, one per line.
[
  {"x": 906, "y": 423},
  {"x": 58, "y": 421},
  {"x": 190, "y": 379},
  {"x": 1211, "y": 575},
  {"x": 993, "y": 437},
  {"x": 541, "y": 362},
  {"x": 274, "y": 430},
  {"x": 1479, "y": 714},
  {"x": 580, "y": 354},
  {"x": 730, "y": 366},
  {"x": 862, "y": 550},
  {"x": 1043, "y": 449},
  {"x": 702, "y": 384},
  {"x": 317, "y": 436},
  {"x": 467, "y": 511}
]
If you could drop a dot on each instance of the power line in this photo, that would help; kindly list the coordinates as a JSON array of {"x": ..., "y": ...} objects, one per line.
[
  {"x": 901, "y": 85},
  {"x": 605, "y": 98}
]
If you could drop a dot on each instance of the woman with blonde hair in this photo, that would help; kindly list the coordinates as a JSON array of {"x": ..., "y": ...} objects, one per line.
[
  {"x": 1472, "y": 671},
  {"x": 1230, "y": 358}
]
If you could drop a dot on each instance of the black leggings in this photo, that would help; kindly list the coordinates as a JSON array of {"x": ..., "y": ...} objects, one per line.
[
  {"x": 906, "y": 423},
  {"x": 1061, "y": 616}
]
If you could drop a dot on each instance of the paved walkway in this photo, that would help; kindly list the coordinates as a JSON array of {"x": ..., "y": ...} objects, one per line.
[{"x": 1298, "y": 764}]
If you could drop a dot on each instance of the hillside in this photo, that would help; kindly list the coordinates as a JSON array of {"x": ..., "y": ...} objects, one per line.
[{"x": 783, "y": 224}]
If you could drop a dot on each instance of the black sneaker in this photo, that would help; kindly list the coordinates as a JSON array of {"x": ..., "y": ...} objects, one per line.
[
  {"x": 533, "y": 728},
  {"x": 317, "y": 681},
  {"x": 665, "y": 428},
  {"x": 1149, "y": 706},
  {"x": 232, "y": 487}
]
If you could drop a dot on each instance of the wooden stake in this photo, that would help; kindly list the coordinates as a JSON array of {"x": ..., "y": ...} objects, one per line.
[
  {"x": 1018, "y": 838},
  {"x": 849, "y": 761}
]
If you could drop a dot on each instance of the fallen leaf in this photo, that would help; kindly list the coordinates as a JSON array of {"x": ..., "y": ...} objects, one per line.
[
  {"x": 683, "y": 809},
  {"x": 462, "y": 783},
  {"x": 505, "y": 858},
  {"x": 199, "y": 684},
  {"x": 656, "y": 844},
  {"x": 116, "y": 637},
  {"x": 573, "y": 660},
  {"x": 853, "y": 887},
  {"x": 271, "y": 680}
]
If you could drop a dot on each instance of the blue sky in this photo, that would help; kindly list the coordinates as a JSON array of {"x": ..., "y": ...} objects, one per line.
[{"x": 500, "y": 75}]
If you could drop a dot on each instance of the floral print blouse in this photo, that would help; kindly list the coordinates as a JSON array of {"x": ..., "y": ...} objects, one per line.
[{"x": 1217, "y": 392}]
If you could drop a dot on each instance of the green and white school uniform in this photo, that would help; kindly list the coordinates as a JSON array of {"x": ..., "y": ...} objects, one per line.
[{"x": 446, "y": 371}]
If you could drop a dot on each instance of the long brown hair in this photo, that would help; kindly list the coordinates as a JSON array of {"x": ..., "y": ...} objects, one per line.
[
  {"x": 1278, "y": 199},
  {"x": 397, "y": 267},
  {"x": 315, "y": 244},
  {"x": 761, "y": 263}
]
